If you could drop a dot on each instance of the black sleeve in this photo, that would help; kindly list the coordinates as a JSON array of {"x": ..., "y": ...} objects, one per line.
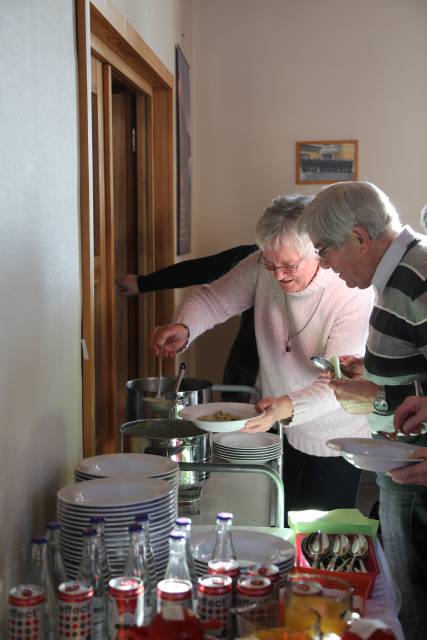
[
  {"x": 197, "y": 271},
  {"x": 395, "y": 394}
]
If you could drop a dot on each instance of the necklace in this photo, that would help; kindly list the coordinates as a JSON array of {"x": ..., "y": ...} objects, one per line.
[{"x": 291, "y": 336}]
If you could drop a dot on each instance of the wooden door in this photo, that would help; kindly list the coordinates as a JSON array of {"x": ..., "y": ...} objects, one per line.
[
  {"x": 125, "y": 100},
  {"x": 134, "y": 252},
  {"x": 105, "y": 397}
]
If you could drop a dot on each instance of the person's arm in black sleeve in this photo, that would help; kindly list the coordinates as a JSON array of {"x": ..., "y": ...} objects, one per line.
[{"x": 196, "y": 271}]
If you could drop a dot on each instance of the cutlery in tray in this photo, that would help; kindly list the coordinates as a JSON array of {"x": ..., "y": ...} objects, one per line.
[{"x": 344, "y": 554}]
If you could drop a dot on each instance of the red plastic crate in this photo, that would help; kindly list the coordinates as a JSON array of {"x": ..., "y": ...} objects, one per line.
[{"x": 363, "y": 583}]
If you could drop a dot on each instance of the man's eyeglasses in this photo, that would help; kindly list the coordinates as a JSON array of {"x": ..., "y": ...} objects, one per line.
[
  {"x": 290, "y": 268},
  {"x": 320, "y": 253}
]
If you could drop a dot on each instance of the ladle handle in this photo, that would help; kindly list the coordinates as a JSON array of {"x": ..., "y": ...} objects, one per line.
[{"x": 182, "y": 368}]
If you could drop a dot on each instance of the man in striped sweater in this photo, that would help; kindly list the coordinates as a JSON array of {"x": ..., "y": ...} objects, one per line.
[{"x": 357, "y": 233}]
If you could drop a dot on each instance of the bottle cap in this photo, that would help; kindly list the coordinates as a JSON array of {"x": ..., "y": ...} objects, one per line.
[
  {"x": 142, "y": 517},
  {"x": 224, "y": 515},
  {"x": 183, "y": 522},
  {"x": 88, "y": 533},
  {"x": 53, "y": 526},
  {"x": 177, "y": 535},
  {"x": 135, "y": 527},
  {"x": 97, "y": 519},
  {"x": 39, "y": 540}
]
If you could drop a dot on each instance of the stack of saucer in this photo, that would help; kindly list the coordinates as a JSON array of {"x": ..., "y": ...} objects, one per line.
[
  {"x": 118, "y": 500},
  {"x": 252, "y": 448},
  {"x": 127, "y": 464}
]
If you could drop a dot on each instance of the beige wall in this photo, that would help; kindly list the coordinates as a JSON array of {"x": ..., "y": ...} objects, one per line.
[
  {"x": 266, "y": 74},
  {"x": 40, "y": 392}
]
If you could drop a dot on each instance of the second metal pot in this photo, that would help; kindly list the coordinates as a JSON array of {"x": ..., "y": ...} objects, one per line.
[{"x": 179, "y": 440}]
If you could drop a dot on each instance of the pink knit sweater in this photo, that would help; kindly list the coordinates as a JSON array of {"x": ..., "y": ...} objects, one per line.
[{"x": 338, "y": 327}]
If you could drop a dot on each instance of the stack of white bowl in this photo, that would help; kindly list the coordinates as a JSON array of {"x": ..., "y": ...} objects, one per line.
[
  {"x": 119, "y": 500},
  {"x": 250, "y": 547},
  {"x": 252, "y": 448}
]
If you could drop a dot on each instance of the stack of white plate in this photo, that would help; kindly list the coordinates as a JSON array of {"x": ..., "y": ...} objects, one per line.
[
  {"x": 124, "y": 464},
  {"x": 119, "y": 500},
  {"x": 252, "y": 448},
  {"x": 250, "y": 546}
]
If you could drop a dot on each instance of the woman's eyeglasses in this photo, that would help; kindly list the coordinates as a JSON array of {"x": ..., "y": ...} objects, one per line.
[{"x": 289, "y": 268}]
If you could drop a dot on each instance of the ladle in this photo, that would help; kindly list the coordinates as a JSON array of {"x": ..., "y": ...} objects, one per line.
[
  {"x": 159, "y": 388},
  {"x": 322, "y": 363},
  {"x": 182, "y": 368}
]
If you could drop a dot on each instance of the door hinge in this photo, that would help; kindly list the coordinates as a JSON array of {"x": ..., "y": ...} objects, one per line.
[
  {"x": 85, "y": 352},
  {"x": 133, "y": 139}
]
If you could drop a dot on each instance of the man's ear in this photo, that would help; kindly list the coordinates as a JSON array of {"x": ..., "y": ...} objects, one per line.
[{"x": 362, "y": 237}]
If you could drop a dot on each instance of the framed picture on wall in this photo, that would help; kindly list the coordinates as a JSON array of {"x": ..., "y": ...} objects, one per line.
[
  {"x": 326, "y": 161},
  {"x": 184, "y": 153}
]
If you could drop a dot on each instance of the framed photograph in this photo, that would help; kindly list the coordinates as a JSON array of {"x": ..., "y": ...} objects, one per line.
[
  {"x": 326, "y": 161},
  {"x": 184, "y": 153}
]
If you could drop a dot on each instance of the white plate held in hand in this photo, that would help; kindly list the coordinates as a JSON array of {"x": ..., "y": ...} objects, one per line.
[
  {"x": 196, "y": 412},
  {"x": 374, "y": 455}
]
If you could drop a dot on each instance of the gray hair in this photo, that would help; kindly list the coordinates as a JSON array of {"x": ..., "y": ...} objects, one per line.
[
  {"x": 424, "y": 216},
  {"x": 278, "y": 224},
  {"x": 338, "y": 208}
]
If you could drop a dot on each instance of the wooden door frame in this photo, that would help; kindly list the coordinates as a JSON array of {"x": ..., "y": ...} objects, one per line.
[{"x": 102, "y": 30}]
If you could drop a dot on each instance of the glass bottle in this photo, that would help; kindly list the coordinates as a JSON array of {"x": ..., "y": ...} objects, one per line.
[
  {"x": 143, "y": 519},
  {"x": 39, "y": 574},
  {"x": 55, "y": 562},
  {"x": 177, "y": 564},
  {"x": 223, "y": 547},
  {"x": 90, "y": 571},
  {"x": 98, "y": 523},
  {"x": 184, "y": 525},
  {"x": 136, "y": 566}
]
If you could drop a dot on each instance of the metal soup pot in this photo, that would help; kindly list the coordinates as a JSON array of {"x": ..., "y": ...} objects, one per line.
[
  {"x": 142, "y": 402},
  {"x": 178, "y": 439}
]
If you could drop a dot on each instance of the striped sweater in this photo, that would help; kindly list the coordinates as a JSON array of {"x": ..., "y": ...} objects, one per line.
[{"x": 396, "y": 351}]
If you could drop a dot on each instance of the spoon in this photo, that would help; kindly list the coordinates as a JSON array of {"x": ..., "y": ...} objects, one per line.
[
  {"x": 159, "y": 388},
  {"x": 340, "y": 548},
  {"x": 359, "y": 550},
  {"x": 318, "y": 545},
  {"x": 182, "y": 368},
  {"x": 322, "y": 363}
]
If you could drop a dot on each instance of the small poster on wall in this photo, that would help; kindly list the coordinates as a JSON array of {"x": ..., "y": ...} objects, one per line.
[
  {"x": 326, "y": 161},
  {"x": 184, "y": 153}
]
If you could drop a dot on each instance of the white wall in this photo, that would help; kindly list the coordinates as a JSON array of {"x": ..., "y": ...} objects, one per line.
[
  {"x": 40, "y": 392},
  {"x": 162, "y": 24},
  {"x": 40, "y": 364},
  {"x": 266, "y": 74}
]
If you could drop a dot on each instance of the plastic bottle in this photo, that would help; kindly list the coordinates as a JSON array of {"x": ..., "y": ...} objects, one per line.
[
  {"x": 184, "y": 525},
  {"x": 136, "y": 566},
  {"x": 144, "y": 520},
  {"x": 98, "y": 523},
  {"x": 223, "y": 547},
  {"x": 39, "y": 574},
  {"x": 55, "y": 562},
  {"x": 177, "y": 564},
  {"x": 90, "y": 571}
]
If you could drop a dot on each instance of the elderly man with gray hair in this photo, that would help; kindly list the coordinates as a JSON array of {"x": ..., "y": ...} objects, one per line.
[
  {"x": 357, "y": 233},
  {"x": 300, "y": 311}
]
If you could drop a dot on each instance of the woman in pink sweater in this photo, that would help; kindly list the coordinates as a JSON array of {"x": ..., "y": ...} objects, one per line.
[{"x": 300, "y": 310}]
